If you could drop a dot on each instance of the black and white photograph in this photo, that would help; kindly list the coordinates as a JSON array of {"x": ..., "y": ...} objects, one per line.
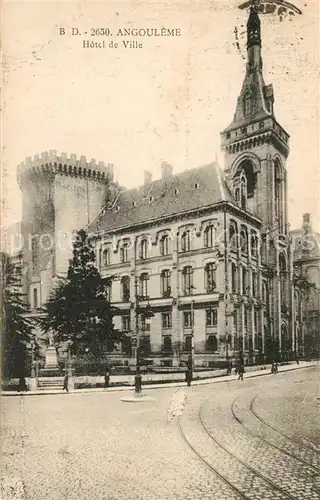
[{"x": 160, "y": 250}]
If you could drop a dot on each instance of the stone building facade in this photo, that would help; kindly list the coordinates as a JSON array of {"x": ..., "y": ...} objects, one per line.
[
  {"x": 207, "y": 249},
  {"x": 306, "y": 244}
]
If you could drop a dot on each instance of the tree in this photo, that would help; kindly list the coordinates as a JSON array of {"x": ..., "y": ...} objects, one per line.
[
  {"x": 78, "y": 310},
  {"x": 17, "y": 328}
]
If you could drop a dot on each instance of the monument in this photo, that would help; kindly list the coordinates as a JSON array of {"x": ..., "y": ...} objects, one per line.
[{"x": 51, "y": 355}]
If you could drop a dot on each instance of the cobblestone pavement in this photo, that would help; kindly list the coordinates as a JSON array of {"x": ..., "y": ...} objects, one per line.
[{"x": 96, "y": 447}]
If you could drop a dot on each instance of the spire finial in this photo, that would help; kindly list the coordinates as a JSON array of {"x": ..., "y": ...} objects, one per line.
[{"x": 253, "y": 27}]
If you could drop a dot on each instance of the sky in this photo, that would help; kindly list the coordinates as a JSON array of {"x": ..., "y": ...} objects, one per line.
[{"x": 168, "y": 100}]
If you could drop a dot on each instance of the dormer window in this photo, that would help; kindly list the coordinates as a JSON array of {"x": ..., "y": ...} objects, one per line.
[
  {"x": 151, "y": 198},
  {"x": 176, "y": 191},
  {"x": 197, "y": 185},
  {"x": 228, "y": 135},
  {"x": 134, "y": 203},
  {"x": 261, "y": 124}
]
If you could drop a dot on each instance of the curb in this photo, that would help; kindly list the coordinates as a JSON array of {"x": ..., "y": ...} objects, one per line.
[{"x": 215, "y": 380}]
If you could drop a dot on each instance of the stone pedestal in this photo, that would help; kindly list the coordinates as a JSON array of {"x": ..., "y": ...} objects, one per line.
[
  {"x": 51, "y": 358},
  {"x": 33, "y": 384}
]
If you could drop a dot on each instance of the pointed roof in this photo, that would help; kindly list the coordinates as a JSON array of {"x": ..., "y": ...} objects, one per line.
[
  {"x": 192, "y": 189},
  {"x": 254, "y": 89}
]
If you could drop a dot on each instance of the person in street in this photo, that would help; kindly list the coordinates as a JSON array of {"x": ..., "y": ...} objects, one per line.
[
  {"x": 107, "y": 379},
  {"x": 229, "y": 368},
  {"x": 22, "y": 384},
  {"x": 189, "y": 371},
  {"x": 65, "y": 383},
  {"x": 241, "y": 372}
]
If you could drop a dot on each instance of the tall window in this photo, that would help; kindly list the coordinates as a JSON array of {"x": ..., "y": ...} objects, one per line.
[
  {"x": 254, "y": 284},
  {"x": 244, "y": 281},
  {"x": 283, "y": 279},
  {"x": 254, "y": 245},
  {"x": 108, "y": 291},
  {"x": 210, "y": 277},
  {"x": 144, "y": 249},
  {"x": 256, "y": 320},
  {"x": 235, "y": 320},
  {"x": 166, "y": 320},
  {"x": 187, "y": 280},
  {"x": 126, "y": 327},
  {"x": 164, "y": 245},
  {"x": 186, "y": 241},
  {"x": 211, "y": 317},
  {"x": 243, "y": 192},
  {"x": 246, "y": 314},
  {"x": 106, "y": 257},
  {"x": 187, "y": 319},
  {"x": 144, "y": 277},
  {"x": 124, "y": 253},
  {"x": 167, "y": 344},
  {"x": 233, "y": 236},
  {"x": 165, "y": 283},
  {"x": 125, "y": 288},
  {"x": 244, "y": 240},
  {"x": 145, "y": 326},
  {"x": 234, "y": 277},
  {"x": 188, "y": 343},
  {"x": 211, "y": 343},
  {"x": 35, "y": 298},
  {"x": 209, "y": 236}
]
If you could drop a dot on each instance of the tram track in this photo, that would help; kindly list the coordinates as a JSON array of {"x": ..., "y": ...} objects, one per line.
[
  {"x": 235, "y": 472},
  {"x": 258, "y": 435},
  {"x": 289, "y": 438}
]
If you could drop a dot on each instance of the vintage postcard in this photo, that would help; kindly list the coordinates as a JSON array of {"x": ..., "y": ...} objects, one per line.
[{"x": 160, "y": 250}]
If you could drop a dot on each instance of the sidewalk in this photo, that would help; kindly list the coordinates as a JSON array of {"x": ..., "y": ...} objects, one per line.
[{"x": 215, "y": 380}]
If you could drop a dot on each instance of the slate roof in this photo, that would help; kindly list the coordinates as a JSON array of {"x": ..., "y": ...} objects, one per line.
[{"x": 167, "y": 196}]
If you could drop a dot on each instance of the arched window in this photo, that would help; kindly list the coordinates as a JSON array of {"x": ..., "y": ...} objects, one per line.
[
  {"x": 211, "y": 343},
  {"x": 245, "y": 182},
  {"x": 167, "y": 344},
  {"x": 244, "y": 239},
  {"x": 106, "y": 257},
  {"x": 187, "y": 280},
  {"x": 164, "y": 245},
  {"x": 143, "y": 282},
  {"x": 254, "y": 284},
  {"x": 234, "y": 277},
  {"x": 209, "y": 237},
  {"x": 144, "y": 249},
  {"x": 237, "y": 194},
  {"x": 210, "y": 277},
  {"x": 35, "y": 298},
  {"x": 125, "y": 288},
  {"x": 124, "y": 253},
  {"x": 186, "y": 241},
  {"x": 165, "y": 283}
]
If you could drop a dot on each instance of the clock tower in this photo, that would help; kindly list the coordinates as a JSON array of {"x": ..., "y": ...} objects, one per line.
[{"x": 256, "y": 148}]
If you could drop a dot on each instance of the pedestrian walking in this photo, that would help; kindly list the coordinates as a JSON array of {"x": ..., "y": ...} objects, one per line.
[
  {"x": 22, "y": 384},
  {"x": 107, "y": 379},
  {"x": 189, "y": 371},
  {"x": 241, "y": 372},
  {"x": 65, "y": 383},
  {"x": 229, "y": 369}
]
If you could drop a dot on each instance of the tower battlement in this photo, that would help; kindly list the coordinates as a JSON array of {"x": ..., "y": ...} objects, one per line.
[{"x": 54, "y": 163}]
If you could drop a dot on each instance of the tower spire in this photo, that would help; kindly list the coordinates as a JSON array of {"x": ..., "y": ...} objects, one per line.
[{"x": 253, "y": 29}]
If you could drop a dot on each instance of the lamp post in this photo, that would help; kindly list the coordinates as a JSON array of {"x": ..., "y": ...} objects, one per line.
[{"x": 69, "y": 367}]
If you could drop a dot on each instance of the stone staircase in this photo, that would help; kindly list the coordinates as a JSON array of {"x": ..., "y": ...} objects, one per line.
[{"x": 50, "y": 383}]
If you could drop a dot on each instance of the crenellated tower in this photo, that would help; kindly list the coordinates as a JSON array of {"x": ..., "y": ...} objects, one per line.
[
  {"x": 59, "y": 195},
  {"x": 256, "y": 148}
]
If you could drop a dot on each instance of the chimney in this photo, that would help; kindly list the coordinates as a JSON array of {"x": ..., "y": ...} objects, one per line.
[
  {"x": 166, "y": 169},
  {"x": 147, "y": 177},
  {"x": 307, "y": 223}
]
